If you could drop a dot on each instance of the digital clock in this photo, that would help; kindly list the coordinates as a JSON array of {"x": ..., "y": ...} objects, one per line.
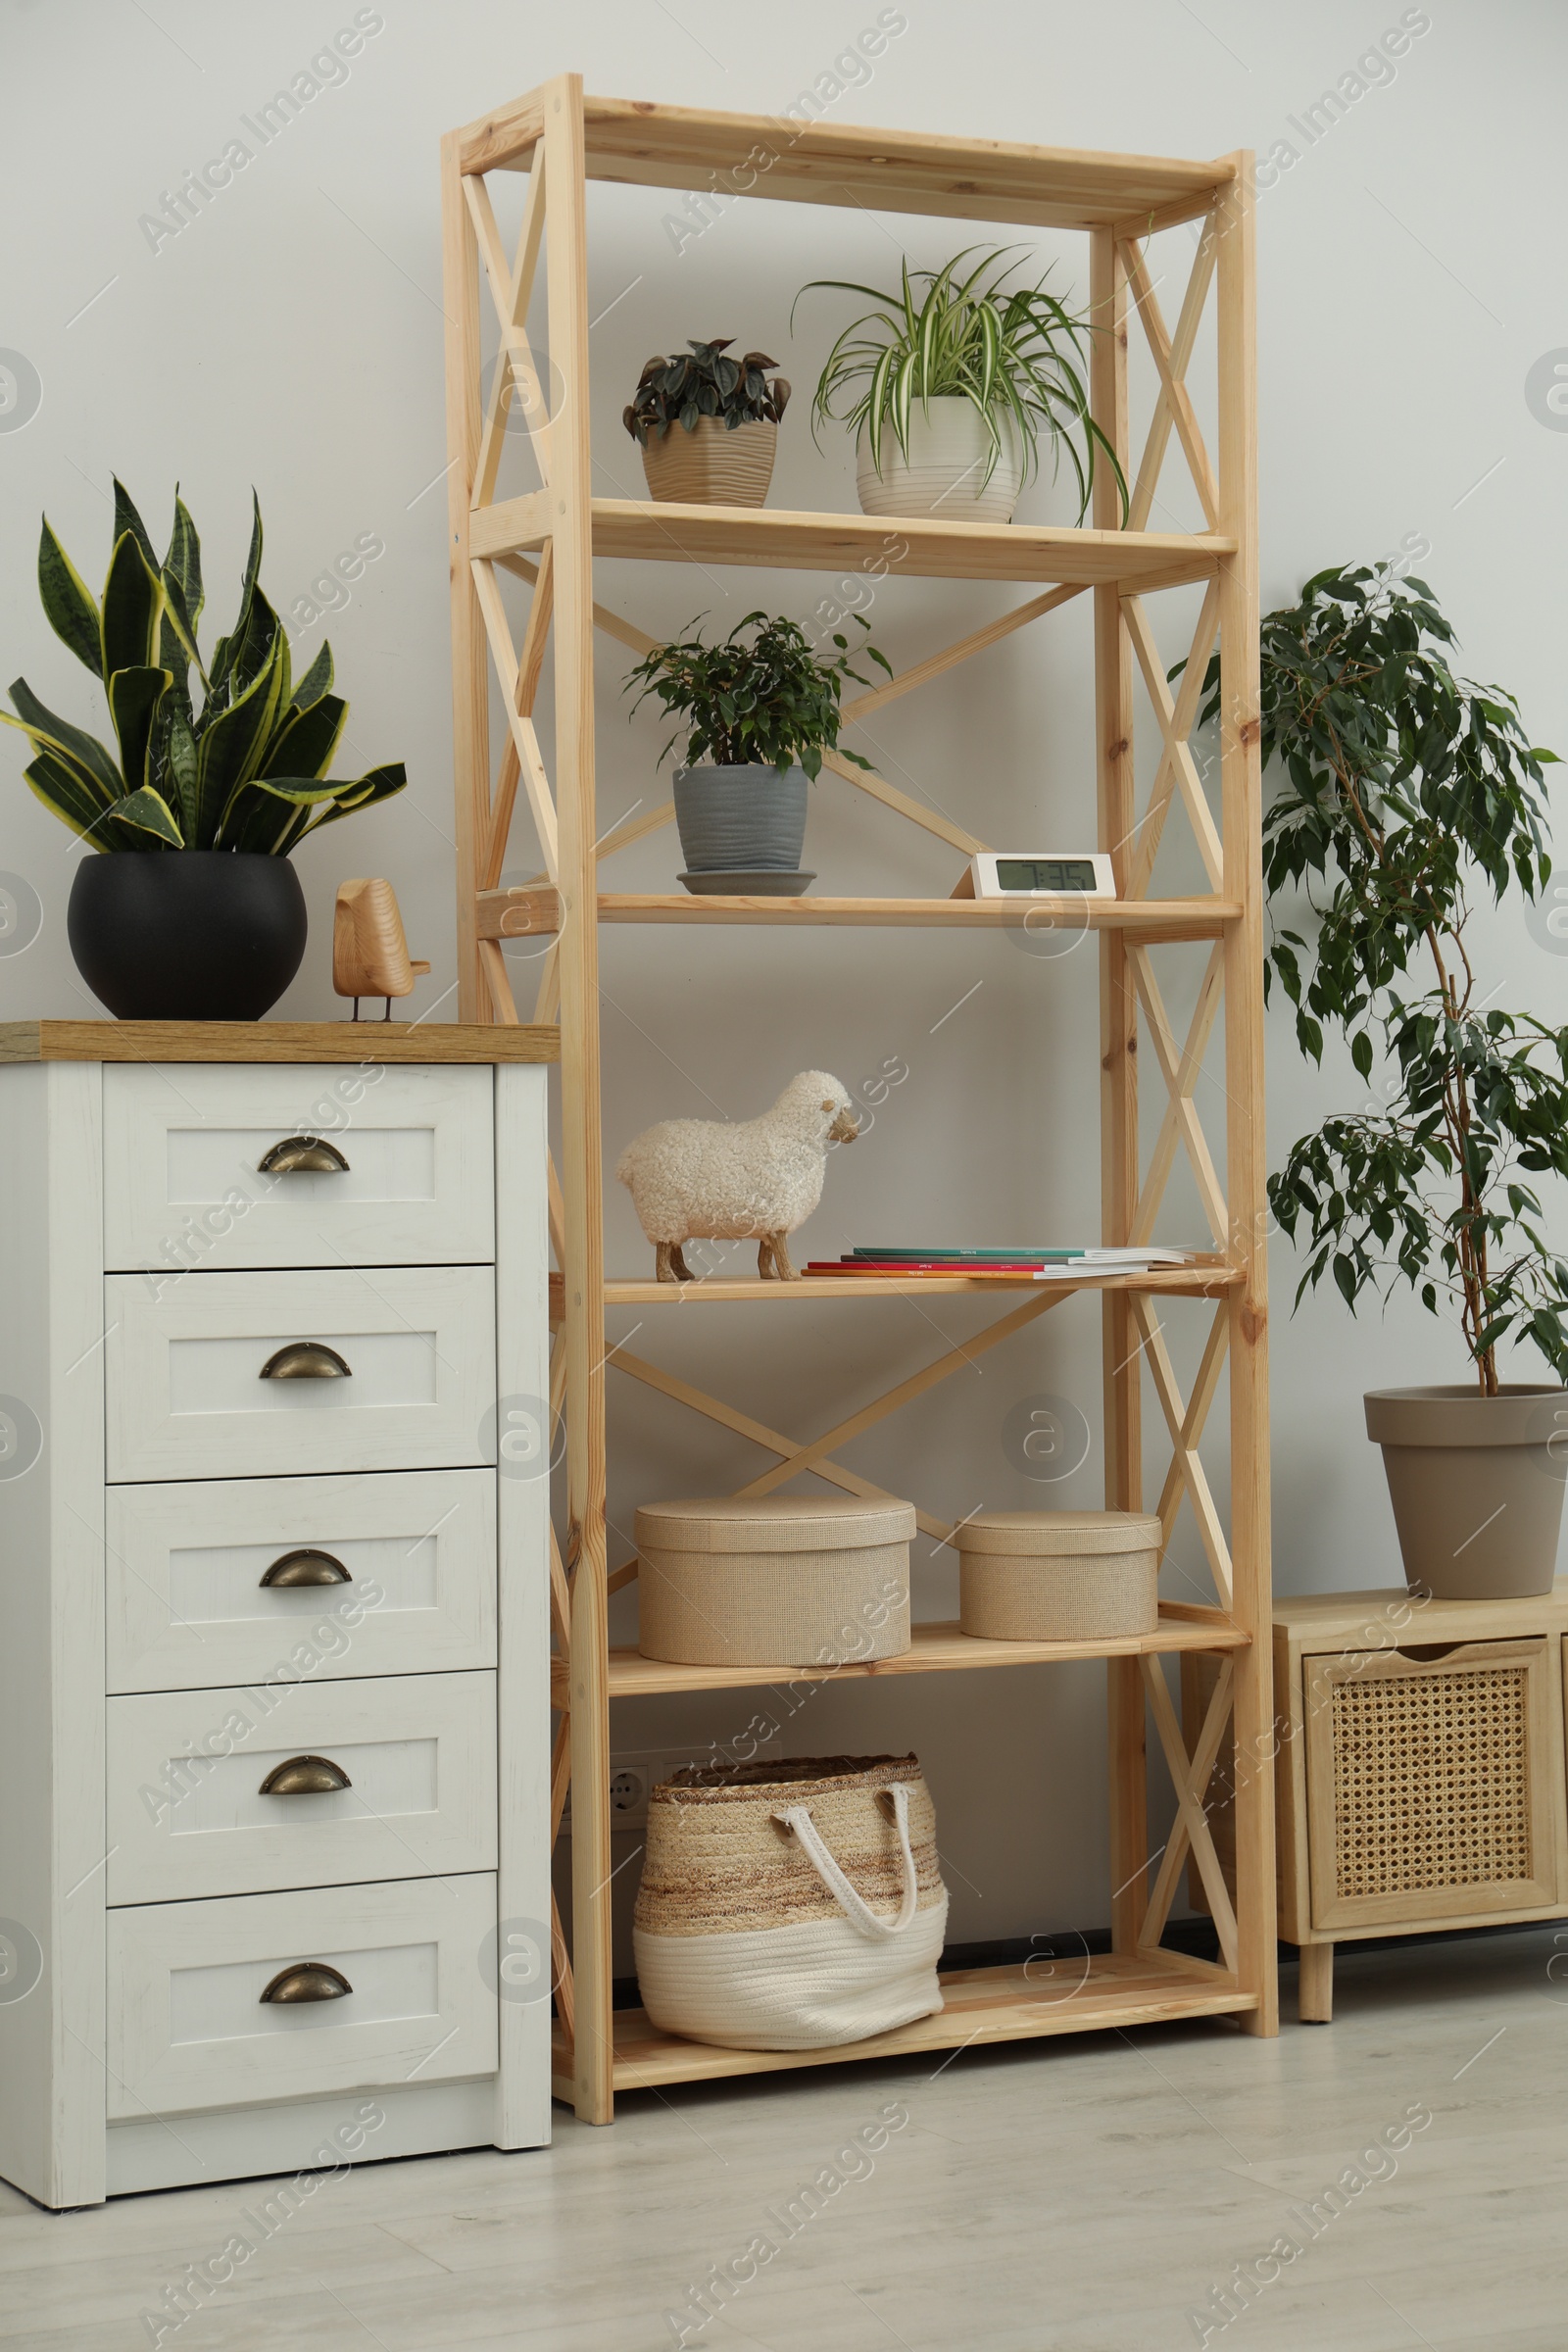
[{"x": 1041, "y": 874}]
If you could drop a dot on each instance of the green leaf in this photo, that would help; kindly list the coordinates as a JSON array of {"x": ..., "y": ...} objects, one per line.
[
  {"x": 228, "y": 647},
  {"x": 80, "y": 750},
  {"x": 133, "y": 610},
  {"x": 178, "y": 641},
  {"x": 134, "y": 698},
  {"x": 377, "y": 784},
  {"x": 304, "y": 744},
  {"x": 317, "y": 681},
  {"x": 150, "y": 813},
  {"x": 273, "y": 813},
  {"x": 184, "y": 769},
  {"x": 126, "y": 520},
  {"x": 66, "y": 795},
  {"x": 184, "y": 562},
  {"x": 1361, "y": 1052},
  {"x": 232, "y": 743},
  {"x": 68, "y": 605}
]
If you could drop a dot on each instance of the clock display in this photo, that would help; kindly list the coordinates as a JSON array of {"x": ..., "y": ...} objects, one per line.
[{"x": 1045, "y": 873}]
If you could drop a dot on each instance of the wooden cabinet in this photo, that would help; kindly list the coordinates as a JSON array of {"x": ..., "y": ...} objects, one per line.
[
  {"x": 274, "y": 1636},
  {"x": 1419, "y": 1773}
]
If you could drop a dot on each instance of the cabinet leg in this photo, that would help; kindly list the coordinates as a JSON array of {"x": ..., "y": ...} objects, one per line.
[{"x": 1314, "y": 1999}]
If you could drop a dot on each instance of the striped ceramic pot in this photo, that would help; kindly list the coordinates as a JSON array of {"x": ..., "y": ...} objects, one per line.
[{"x": 944, "y": 477}]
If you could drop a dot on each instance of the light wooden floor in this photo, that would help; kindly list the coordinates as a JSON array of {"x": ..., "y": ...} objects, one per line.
[{"x": 1064, "y": 2196}]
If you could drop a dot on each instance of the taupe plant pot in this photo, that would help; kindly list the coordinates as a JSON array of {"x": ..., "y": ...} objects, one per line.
[
  {"x": 1477, "y": 1486},
  {"x": 712, "y": 464}
]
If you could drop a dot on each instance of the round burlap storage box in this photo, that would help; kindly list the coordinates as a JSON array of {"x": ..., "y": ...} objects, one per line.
[
  {"x": 1058, "y": 1576},
  {"x": 773, "y": 1580}
]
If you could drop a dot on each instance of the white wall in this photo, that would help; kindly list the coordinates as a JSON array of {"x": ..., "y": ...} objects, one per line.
[{"x": 290, "y": 336}]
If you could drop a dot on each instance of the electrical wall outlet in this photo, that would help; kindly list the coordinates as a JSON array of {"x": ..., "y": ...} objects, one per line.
[{"x": 634, "y": 1774}]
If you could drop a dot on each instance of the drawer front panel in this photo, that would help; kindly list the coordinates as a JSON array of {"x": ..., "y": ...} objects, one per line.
[
  {"x": 188, "y": 1188},
  {"x": 187, "y": 1606},
  {"x": 187, "y": 1399},
  {"x": 188, "y": 1816},
  {"x": 1435, "y": 1783},
  {"x": 188, "y": 2027}
]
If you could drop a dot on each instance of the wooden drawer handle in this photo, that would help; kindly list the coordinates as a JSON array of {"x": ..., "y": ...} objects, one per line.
[
  {"x": 309, "y": 1981},
  {"x": 305, "y": 1566},
  {"x": 302, "y": 1156},
  {"x": 305, "y": 1360},
  {"x": 305, "y": 1775}
]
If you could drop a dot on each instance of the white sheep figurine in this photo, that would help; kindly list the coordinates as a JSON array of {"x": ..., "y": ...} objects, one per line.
[{"x": 703, "y": 1180}]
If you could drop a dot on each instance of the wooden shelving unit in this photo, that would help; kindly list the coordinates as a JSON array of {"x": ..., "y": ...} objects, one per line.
[{"x": 547, "y": 538}]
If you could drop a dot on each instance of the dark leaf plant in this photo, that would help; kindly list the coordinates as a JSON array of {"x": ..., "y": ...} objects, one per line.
[
  {"x": 1401, "y": 791},
  {"x": 245, "y": 768},
  {"x": 1015, "y": 352},
  {"x": 700, "y": 383},
  {"x": 769, "y": 702}
]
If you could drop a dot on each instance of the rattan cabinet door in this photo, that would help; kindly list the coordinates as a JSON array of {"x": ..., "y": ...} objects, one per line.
[{"x": 1435, "y": 1783}]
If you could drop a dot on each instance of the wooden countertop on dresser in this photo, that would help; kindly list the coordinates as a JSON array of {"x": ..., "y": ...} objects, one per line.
[{"x": 276, "y": 1041}]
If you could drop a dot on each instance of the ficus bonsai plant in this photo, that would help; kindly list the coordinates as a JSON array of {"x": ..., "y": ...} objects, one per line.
[
  {"x": 707, "y": 425},
  {"x": 230, "y": 769},
  {"x": 1401, "y": 793},
  {"x": 952, "y": 383},
  {"x": 757, "y": 711}
]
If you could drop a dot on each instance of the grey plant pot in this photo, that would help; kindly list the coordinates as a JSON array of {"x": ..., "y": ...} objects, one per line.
[
  {"x": 1477, "y": 1486},
  {"x": 741, "y": 819}
]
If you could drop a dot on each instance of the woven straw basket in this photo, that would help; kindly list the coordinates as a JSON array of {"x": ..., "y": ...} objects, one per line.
[
  {"x": 791, "y": 1906},
  {"x": 1058, "y": 1576},
  {"x": 773, "y": 1580}
]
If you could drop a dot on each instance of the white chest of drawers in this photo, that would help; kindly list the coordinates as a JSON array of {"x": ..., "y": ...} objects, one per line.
[{"x": 275, "y": 1810}]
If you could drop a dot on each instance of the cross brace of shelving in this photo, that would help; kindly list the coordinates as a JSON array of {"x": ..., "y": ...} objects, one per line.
[{"x": 547, "y": 538}]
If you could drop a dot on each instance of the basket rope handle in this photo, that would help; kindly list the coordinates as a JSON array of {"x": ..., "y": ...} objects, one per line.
[{"x": 858, "y": 1913}]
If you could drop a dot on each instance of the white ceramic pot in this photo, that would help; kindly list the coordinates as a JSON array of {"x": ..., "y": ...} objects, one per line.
[{"x": 943, "y": 473}]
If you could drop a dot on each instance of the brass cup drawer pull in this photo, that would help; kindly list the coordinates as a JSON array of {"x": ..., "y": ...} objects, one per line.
[
  {"x": 308, "y": 1981},
  {"x": 305, "y": 1566},
  {"x": 305, "y": 1360},
  {"x": 305, "y": 1775},
  {"x": 302, "y": 1156}
]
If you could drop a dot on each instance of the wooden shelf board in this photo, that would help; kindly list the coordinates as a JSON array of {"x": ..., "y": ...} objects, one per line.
[
  {"x": 1058, "y": 1994},
  {"x": 1202, "y": 1281},
  {"x": 938, "y": 1649},
  {"x": 275, "y": 1041},
  {"x": 647, "y": 531},
  {"x": 529, "y": 912},
  {"x": 805, "y": 162}
]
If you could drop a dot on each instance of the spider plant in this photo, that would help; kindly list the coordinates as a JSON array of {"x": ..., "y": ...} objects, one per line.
[{"x": 1009, "y": 351}]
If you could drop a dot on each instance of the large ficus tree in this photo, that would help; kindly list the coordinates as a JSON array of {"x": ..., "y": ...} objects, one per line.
[
  {"x": 244, "y": 768},
  {"x": 1401, "y": 790}
]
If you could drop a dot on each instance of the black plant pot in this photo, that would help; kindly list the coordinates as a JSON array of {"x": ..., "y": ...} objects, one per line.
[{"x": 186, "y": 935}]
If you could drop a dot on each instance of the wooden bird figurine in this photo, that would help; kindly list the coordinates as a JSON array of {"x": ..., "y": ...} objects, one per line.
[{"x": 370, "y": 952}]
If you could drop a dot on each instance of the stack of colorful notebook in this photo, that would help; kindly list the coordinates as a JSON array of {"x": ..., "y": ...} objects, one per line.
[{"x": 1000, "y": 1264}]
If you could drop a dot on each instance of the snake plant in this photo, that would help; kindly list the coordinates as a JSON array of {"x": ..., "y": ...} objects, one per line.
[
  {"x": 246, "y": 771},
  {"x": 1015, "y": 352}
]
